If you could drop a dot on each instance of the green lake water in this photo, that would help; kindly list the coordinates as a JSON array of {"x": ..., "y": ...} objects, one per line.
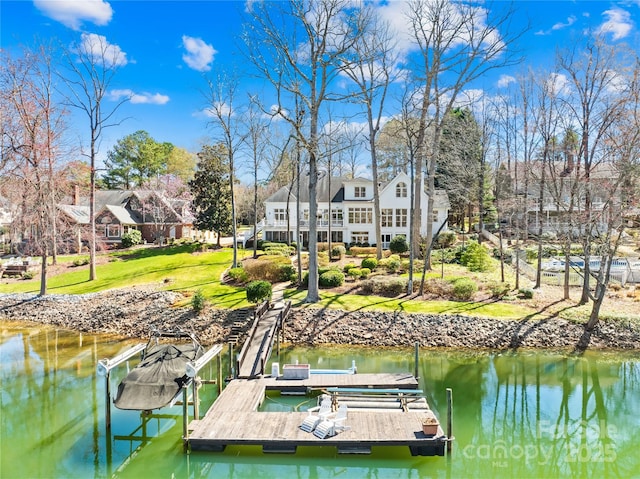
[{"x": 516, "y": 415}]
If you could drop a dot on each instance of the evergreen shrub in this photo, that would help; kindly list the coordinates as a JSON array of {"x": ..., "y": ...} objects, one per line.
[
  {"x": 370, "y": 263},
  {"x": 258, "y": 291},
  {"x": 331, "y": 279},
  {"x": 464, "y": 289},
  {"x": 132, "y": 238},
  {"x": 398, "y": 244}
]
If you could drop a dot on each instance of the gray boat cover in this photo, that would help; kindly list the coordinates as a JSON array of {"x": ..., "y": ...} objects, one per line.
[{"x": 154, "y": 382}]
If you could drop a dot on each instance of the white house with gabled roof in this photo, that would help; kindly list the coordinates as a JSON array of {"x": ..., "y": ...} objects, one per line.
[{"x": 345, "y": 210}]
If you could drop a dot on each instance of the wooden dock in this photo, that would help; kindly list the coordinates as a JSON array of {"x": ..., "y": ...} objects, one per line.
[{"x": 234, "y": 418}]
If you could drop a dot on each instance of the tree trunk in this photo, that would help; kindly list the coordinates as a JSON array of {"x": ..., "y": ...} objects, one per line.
[
  {"x": 313, "y": 295},
  {"x": 376, "y": 195},
  {"x": 255, "y": 214},
  {"x": 92, "y": 218},
  {"x": 43, "y": 273},
  {"x": 234, "y": 263}
]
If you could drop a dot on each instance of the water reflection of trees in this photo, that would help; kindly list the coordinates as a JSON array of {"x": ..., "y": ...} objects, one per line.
[
  {"x": 51, "y": 402},
  {"x": 532, "y": 414},
  {"x": 553, "y": 416}
]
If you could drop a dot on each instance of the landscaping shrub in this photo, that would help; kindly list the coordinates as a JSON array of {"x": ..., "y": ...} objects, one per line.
[
  {"x": 331, "y": 279},
  {"x": 398, "y": 245},
  {"x": 499, "y": 289},
  {"x": 364, "y": 273},
  {"x": 438, "y": 287},
  {"x": 321, "y": 270},
  {"x": 390, "y": 287},
  {"x": 273, "y": 268},
  {"x": 258, "y": 291},
  {"x": 532, "y": 254},
  {"x": 27, "y": 275},
  {"x": 338, "y": 251},
  {"x": 526, "y": 293},
  {"x": 391, "y": 264},
  {"x": 132, "y": 238},
  {"x": 81, "y": 261},
  {"x": 370, "y": 263},
  {"x": 281, "y": 249},
  {"x": 464, "y": 289},
  {"x": 418, "y": 264},
  {"x": 362, "y": 250},
  {"x": 348, "y": 266},
  {"x": 354, "y": 273},
  {"x": 323, "y": 258},
  {"x": 476, "y": 257},
  {"x": 446, "y": 239},
  {"x": 198, "y": 302},
  {"x": 324, "y": 246},
  {"x": 287, "y": 272},
  {"x": 239, "y": 275}
]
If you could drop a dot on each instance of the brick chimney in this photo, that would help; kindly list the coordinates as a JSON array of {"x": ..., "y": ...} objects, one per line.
[{"x": 76, "y": 195}]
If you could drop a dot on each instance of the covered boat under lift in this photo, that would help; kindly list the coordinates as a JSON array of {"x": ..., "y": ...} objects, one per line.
[{"x": 170, "y": 363}]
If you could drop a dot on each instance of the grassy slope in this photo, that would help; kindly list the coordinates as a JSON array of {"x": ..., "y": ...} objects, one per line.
[
  {"x": 175, "y": 269},
  {"x": 349, "y": 302},
  {"x": 182, "y": 269}
]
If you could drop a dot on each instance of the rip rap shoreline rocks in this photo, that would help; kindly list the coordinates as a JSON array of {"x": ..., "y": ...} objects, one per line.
[{"x": 131, "y": 313}]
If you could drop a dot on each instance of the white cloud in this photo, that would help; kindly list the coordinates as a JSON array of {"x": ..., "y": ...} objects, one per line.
[
  {"x": 99, "y": 50},
  {"x": 618, "y": 23},
  {"x": 570, "y": 21},
  {"x": 558, "y": 84},
  {"x": 505, "y": 80},
  {"x": 199, "y": 54},
  {"x": 347, "y": 128},
  {"x": 558, "y": 26},
  {"x": 216, "y": 111},
  {"x": 138, "y": 98},
  {"x": 72, "y": 13},
  {"x": 616, "y": 83},
  {"x": 276, "y": 113},
  {"x": 469, "y": 98}
]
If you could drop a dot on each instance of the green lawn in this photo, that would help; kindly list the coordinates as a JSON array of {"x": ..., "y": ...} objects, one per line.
[
  {"x": 177, "y": 268},
  {"x": 350, "y": 302},
  {"x": 183, "y": 268}
]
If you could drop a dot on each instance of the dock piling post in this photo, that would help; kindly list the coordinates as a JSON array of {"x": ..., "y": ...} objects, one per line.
[
  {"x": 185, "y": 418},
  {"x": 107, "y": 402},
  {"x": 449, "y": 420},
  {"x": 196, "y": 398},
  {"x": 417, "y": 359},
  {"x": 219, "y": 375}
]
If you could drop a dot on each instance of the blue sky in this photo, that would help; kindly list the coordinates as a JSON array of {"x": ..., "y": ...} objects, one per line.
[{"x": 171, "y": 46}]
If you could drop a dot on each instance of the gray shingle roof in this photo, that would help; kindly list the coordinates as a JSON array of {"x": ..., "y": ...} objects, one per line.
[{"x": 323, "y": 193}]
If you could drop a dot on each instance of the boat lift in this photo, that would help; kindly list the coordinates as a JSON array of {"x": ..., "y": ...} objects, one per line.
[{"x": 192, "y": 368}]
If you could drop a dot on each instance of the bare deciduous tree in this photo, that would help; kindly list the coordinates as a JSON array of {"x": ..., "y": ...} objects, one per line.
[
  {"x": 457, "y": 43},
  {"x": 222, "y": 109},
  {"x": 32, "y": 127},
  {"x": 595, "y": 71},
  {"x": 297, "y": 46},
  {"x": 372, "y": 66},
  {"x": 92, "y": 65}
]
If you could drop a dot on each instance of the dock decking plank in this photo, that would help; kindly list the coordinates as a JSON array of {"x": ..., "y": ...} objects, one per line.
[{"x": 234, "y": 419}]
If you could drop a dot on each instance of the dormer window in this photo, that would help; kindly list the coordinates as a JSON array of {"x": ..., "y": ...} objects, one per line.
[
  {"x": 401, "y": 190},
  {"x": 360, "y": 192}
]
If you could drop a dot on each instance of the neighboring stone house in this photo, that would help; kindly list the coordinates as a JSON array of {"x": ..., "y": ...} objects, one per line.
[
  {"x": 117, "y": 212},
  {"x": 345, "y": 209}
]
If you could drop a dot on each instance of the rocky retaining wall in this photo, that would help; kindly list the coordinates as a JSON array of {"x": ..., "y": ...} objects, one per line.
[{"x": 132, "y": 312}]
